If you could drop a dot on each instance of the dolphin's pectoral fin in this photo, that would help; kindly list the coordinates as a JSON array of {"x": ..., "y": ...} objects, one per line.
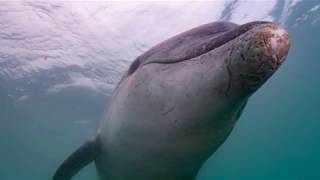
[{"x": 77, "y": 160}]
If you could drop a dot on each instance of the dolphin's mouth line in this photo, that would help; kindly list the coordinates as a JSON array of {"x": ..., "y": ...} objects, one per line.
[
  {"x": 199, "y": 50},
  {"x": 218, "y": 41},
  {"x": 203, "y": 48}
]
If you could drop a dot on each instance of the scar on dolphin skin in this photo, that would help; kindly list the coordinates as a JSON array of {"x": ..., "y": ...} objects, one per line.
[
  {"x": 165, "y": 112},
  {"x": 228, "y": 63}
]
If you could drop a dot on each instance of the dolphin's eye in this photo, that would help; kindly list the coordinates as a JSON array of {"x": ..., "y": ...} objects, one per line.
[{"x": 134, "y": 66}]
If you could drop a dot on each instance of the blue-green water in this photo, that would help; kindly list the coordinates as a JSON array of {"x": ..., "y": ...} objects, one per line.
[{"x": 60, "y": 61}]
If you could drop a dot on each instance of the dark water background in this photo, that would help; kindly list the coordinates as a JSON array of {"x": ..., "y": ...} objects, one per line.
[{"x": 60, "y": 61}]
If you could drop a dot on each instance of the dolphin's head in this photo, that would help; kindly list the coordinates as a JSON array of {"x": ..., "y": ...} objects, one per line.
[
  {"x": 213, "y": 68},
  {"x": 234, "y": 60}
]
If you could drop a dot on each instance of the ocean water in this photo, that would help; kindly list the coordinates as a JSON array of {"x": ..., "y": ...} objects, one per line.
[{"x": 59, "y": 62}]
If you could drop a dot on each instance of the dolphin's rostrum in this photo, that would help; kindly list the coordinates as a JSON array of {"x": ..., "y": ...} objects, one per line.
[{"x": 179, "y": 101}]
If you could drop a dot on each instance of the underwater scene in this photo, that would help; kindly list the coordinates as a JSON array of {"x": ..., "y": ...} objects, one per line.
[{"x": 61, "y": 60}]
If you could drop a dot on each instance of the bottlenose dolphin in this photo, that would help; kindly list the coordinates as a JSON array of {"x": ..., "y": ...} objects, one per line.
[{"x": 179, "y": 101}]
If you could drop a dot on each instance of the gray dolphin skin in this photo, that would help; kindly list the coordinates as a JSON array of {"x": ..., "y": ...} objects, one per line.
[{"x": 179, "y": 101}]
